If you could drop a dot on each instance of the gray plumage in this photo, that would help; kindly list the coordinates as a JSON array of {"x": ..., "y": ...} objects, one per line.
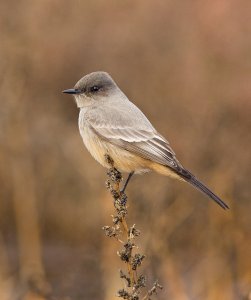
[{"x": 110, "y": 124}]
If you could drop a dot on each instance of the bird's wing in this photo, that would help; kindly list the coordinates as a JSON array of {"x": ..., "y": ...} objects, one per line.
[{"x": 134, "y": 133}]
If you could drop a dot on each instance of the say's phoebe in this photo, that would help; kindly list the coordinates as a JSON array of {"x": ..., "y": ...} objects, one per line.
[{"x": 110, "y": 124}]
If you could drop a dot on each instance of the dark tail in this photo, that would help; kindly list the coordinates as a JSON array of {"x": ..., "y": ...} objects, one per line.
[
  {"x": 201, "y": 187},
  {"x": 188, "y": 177}
]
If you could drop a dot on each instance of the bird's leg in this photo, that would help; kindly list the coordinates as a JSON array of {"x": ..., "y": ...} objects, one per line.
[{"x": 127, "y": 181}]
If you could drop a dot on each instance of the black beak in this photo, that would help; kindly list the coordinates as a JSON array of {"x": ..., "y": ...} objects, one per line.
[{"x": 72, "y": 91}]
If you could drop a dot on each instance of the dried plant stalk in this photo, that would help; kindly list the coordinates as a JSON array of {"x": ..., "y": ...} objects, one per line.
[{"x": 126, "y": 235}]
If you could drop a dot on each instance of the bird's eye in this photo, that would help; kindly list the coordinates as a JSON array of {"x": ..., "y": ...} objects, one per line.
[{"x": 94, "y": 89}]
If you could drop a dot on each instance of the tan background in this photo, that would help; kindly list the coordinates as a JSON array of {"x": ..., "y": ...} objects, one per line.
[{"x": 187, "y": 65}]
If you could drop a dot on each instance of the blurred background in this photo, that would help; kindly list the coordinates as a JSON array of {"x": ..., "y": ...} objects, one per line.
[{"x": 187, "y": 65}]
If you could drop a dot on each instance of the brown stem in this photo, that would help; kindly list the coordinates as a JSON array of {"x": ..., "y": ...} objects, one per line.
[
  {"x": 134, "y": 283},
  {"x": 132, "y": 273}
]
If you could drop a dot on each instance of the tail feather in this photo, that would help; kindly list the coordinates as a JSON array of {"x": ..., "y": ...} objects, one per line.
[
  {"x": 190, "y": 178},
  {"x": 201, "y": 187}
]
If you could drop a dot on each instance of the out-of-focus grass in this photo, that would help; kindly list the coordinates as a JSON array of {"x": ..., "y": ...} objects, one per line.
[{"x": 187, "y": 66}]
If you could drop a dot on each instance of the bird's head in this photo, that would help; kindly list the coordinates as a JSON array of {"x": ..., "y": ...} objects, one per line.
[{"x": 92, "y": 88}]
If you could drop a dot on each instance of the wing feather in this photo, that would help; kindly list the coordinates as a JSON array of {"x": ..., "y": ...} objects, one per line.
[
  {"x": 148, "y": 145},
  {"x": 130, "y": 130}
]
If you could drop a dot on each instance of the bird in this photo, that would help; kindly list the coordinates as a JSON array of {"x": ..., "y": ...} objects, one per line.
[{"x": 110, "y": 124}]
